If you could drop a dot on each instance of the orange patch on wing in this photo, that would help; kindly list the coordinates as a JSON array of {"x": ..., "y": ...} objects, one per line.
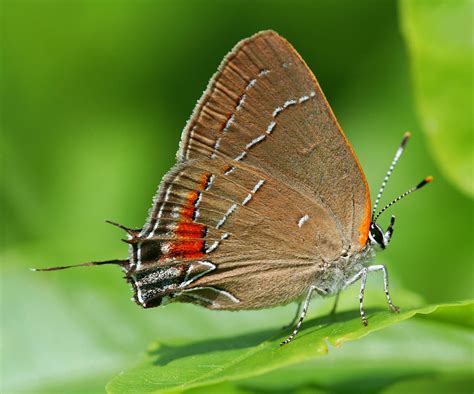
[
  {"x": 189, "y": 230},
  {"x": 204, "y": 180},
  {"x": 365, "y": 225},
  {"x": 186, "y": 249},
  {"x": 226, "y": 168},
  {"x": 189, "y": 244},
  {"x": 187, "y": 212}
]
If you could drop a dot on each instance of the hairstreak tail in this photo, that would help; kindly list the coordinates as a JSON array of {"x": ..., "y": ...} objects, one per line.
[{"x": 267, "y": 203}]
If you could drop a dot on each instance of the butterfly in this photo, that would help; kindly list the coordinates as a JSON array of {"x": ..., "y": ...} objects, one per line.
[{"x": 267, "y": 203}]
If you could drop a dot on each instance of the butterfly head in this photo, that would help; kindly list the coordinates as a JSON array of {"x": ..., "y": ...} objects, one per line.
[{"x": 381, "y": 238}]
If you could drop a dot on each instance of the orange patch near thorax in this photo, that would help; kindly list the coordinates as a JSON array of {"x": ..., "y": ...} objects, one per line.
[
  {"x": 365, "y": 225},
  {"x": 189, "y": 244}
]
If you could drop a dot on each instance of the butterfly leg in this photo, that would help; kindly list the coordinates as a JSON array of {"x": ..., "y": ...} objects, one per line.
[
  {"x": 302, "y": 314},
  {"x": 382, "y": 268},
  {"x": 295, "y": 318},
  {"x": 362, "y": 275},
  {"x": 363, "y": 280},
  {"x": 334, "y": 307}
]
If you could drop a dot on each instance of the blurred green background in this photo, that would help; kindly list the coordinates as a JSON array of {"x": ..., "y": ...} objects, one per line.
[{"x": 94, "y": 95}]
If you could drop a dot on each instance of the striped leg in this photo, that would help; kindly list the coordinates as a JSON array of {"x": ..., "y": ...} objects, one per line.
[
  {"x": 362, "y": 275},
  {"x": 363, "y": 280},
  {"x": 295, "y": 318},
  {"x": 382, "y": 268},
  {"x": 302, "y": 316}
]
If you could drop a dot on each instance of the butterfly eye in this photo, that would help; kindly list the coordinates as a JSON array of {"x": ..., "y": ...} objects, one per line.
[{"x": 376, "y": 235}]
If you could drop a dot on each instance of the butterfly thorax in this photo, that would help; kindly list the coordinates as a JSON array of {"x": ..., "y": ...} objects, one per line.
[{"x": 333, "y": 276}]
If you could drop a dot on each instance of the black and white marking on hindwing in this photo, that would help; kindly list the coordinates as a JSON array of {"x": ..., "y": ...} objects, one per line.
[{"x": 154, "y": 286}]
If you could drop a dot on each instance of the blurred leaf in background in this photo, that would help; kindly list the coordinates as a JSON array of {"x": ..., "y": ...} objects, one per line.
[
  {"x": 94, "y": 96},
  {"x": 440, "y": 39}
]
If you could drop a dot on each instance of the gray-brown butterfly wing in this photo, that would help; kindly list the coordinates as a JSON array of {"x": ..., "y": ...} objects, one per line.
[
  {"x": 232, "y": 242},
  {"x": 265, "y": 191}
]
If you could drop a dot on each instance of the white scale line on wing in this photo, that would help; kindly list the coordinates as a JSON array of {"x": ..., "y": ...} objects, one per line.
[
  {"x": 215, "y": 244},
  {"x": 165, "y": 246},
  {"x": 277, "y": 111},
  {"x": 255, "y": 141},
  {"x": 220, "y": 291},
  {"x": 241, "y": 156},
  {"x": 226, "y": 216},
  {"x": 228, "y": 123},
  {"x": 210, "y": 182},
  {"x": 229, "y": 212},
  {"x": 139, "y": 255},
  {"x": 302, "y": 99},
  {"x": 160, "y": 212},
  {"x": 229, "y": 171},
  {"x": 155, "y": 227},
  {"x": 303, "y": 220},
  {"x": 216, "y": 148},
  {"x": 237, "y": 108},
  {"x": 240, "y": 103},
  {"x": 271, "y": 126},
  {"x": 188, "y": 279},
  {"x": 289, "y": 102},
  {"x": 249, "y": 196},
  {"x": 190, "y": 138},
  {"x": 196, "y": 206}
]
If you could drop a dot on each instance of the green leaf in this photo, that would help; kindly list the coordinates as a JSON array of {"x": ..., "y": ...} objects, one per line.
[
  {"x": 180, "y": 365},
  {"x": 440, "y": 42},
  {"x": 428, "y": 354},
  {"x": 421, "y": 355}
]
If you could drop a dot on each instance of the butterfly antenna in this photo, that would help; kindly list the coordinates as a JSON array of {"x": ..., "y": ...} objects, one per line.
[
  {"x": 425, "y": 181},
  {"x": 130, "y": 231},
  {"x": 116, "y": 262},
  {"x": 398, "y": 153}
]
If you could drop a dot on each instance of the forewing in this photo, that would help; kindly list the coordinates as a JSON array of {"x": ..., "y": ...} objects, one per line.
[{"x": 264, "y": 107}]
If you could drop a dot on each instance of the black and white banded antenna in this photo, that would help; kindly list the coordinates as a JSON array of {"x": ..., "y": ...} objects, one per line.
[
  {"x": 425, "y": 181},
  {"x": 398, "y": 153}
]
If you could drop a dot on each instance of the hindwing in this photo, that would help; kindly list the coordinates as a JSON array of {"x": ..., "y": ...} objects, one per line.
[{"x": 232, "y": 232}]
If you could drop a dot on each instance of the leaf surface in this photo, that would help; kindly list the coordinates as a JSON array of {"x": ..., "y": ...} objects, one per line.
[
  {"x": 440, "y": 41},
  {"x": 180, "y": 365}
]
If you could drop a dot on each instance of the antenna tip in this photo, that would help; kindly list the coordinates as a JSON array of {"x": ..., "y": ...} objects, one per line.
[
  {"x": 34, "y": 269},
  {"x": 406, "y": 137},
  {"x": 428, "y": 179}
]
